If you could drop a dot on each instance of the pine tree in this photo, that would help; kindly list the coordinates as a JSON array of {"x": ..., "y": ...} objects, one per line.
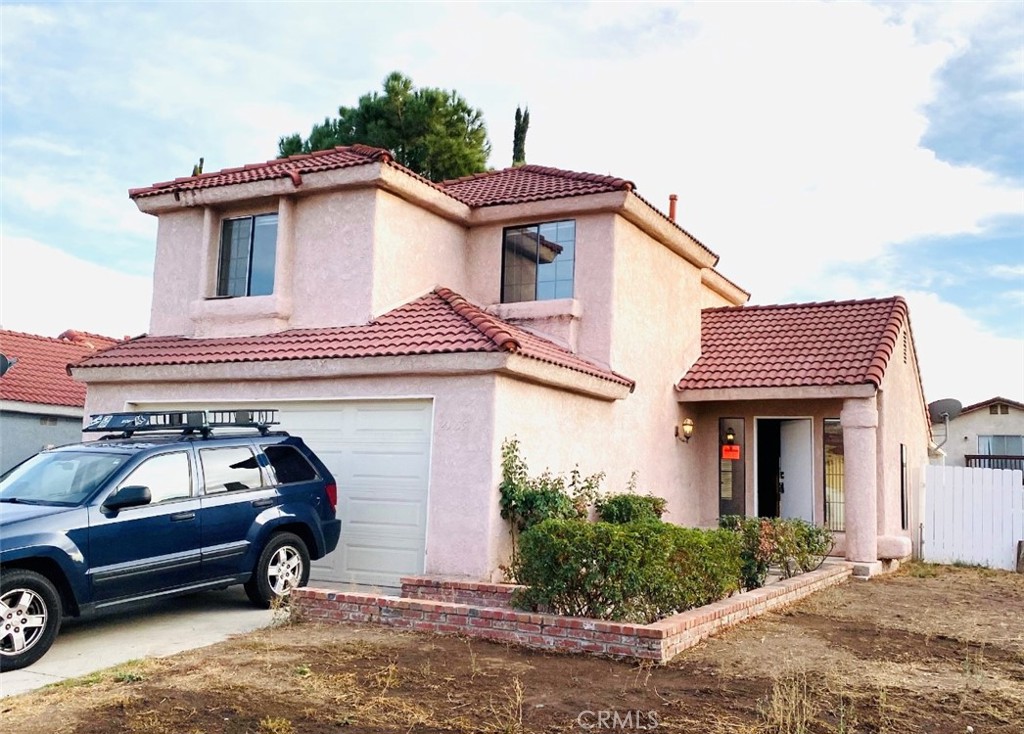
[{"x": 432, "y": 131}]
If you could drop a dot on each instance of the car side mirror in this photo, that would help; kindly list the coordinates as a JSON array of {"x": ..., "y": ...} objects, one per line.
[{"x": 131, "y": 496}]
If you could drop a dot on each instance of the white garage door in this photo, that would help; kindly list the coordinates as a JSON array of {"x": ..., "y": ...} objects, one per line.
[{"x": 379, "y": 453}]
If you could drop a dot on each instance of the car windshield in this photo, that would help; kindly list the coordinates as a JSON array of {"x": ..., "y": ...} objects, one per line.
[{"x": 59, "y": 477}]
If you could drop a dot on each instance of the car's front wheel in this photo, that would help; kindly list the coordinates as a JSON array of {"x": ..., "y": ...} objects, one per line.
[
  {"x": 283, "y": 565},
  {"x": 30, "y": 617}
]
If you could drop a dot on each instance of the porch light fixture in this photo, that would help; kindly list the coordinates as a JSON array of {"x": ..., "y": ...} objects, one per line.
[
  {"x": 730, "y": 435},
  {"x": 685, "y": 431}
]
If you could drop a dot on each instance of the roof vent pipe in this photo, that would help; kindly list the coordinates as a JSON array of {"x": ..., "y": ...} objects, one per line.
[{"x": 672, "y": 199}]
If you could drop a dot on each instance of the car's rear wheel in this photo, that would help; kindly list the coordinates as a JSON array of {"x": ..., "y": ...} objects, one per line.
[
  {"x": 30, "y": 617},
  {"x": 283, "y": 565}
]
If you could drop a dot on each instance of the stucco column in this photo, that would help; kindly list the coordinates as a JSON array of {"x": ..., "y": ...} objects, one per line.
[
  {"x": 859, "y": 419},
  {"x": 284, "y": 257}
]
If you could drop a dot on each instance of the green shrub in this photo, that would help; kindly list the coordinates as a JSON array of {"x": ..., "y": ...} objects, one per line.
[
  {"x": 635, "y": 572},
  {"x": 625, "y": 508},
  {"x": 793, "y": 546},
  {"x": 526, "y": 501}
]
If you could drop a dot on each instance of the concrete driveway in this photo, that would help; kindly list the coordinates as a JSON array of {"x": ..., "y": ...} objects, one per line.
[{"x": 155, "y": 629}]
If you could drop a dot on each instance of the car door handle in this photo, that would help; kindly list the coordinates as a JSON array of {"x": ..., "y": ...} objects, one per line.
[
  {"x": 262, "y": 503},
  {"x": 183, "y": 516}
]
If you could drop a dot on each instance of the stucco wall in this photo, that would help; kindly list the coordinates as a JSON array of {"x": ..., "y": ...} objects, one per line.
[
  {"x": 177, "y": 271},
  {"x": 460, "y": 537},
  {"x": 965, "y": 429},
  {"x": 902, "y": 418},
  {"x": 333, "y": 264},
  {"x": 24, "y": 434},
  {"x": 413, "y": 251}
]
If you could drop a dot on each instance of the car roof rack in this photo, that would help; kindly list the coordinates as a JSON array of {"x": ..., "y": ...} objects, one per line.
[{"x": 185, "y": 422}]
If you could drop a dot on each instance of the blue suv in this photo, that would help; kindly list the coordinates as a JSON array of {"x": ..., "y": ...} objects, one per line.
[{"x": 171, "y": 503}]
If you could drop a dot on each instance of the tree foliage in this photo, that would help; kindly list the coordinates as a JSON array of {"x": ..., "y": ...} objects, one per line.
[
  {"x": 432, "y": 131},
  {"x": 519, "y": 137}
]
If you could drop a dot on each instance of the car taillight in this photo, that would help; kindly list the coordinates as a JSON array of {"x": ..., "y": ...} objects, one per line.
[{"x": 332, "y": 494}]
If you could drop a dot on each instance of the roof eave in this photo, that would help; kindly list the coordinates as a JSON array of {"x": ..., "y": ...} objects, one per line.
[
  {"x": 510, "y": 364},
  {"x": 377, "y": 174},
  {"x": 724, "y": 287},
  {"x": 795, "y": 392},
  {"x": 624, "y": 203}
]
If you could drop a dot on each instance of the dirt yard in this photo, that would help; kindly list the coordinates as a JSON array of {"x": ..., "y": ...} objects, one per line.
[{"x": 930, "y": 650}]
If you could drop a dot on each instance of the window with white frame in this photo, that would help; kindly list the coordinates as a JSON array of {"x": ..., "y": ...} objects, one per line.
[
  {"x": 1001, "y": 445},
  {"x": 248, "y": 249}
]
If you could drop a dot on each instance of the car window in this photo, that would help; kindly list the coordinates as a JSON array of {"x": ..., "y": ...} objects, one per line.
[
  {"x": 167, "y": 476},
  {"x": 61, "y": 477},
  {"x": 230, "y": 469},
  {"x": 289, "y": 464}
]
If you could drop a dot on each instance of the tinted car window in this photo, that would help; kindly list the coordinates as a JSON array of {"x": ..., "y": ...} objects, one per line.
[
  {"x": 289, "y": 465},
  {"x": 167, "y": 476},
  {"x": 60, "y": 477},
  {"x": 230, "y": 469}
]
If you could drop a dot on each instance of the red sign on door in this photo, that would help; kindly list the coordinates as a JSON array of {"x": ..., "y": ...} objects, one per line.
[{"x": 731, "y": 452}]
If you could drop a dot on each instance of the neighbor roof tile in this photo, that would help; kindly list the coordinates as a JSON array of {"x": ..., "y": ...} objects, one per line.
[
  {"x": 793, "y": 345},
  {"x": 39, "y": 374},
  {"x": 441, "y": 322}
]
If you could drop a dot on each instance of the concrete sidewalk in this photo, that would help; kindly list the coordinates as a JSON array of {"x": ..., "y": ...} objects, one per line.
[{"x": 152, "y": 630}]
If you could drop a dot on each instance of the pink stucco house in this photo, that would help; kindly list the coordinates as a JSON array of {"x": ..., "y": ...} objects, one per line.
[{"x": 406, "y": 328}]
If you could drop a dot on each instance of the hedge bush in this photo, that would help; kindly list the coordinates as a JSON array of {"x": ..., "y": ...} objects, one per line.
[
  {"x": 793, "y": 546},
  {"x": 634, "y": 572},
  {"x": 626, "y": 508}
]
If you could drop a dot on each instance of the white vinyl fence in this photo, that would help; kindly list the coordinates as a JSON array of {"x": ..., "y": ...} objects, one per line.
[{"x": 972, "y": 516}]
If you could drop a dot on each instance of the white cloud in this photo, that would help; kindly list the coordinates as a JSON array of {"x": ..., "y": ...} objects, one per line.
[
  {"x": 959, "y": 357},
  {"x": 44, "y": 290},
  {"x": 1009, "y": 272}
]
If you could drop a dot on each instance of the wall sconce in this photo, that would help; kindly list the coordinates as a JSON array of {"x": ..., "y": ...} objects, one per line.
[
  {"x": 685, "y": 431},
  {"x": 730, "y": 435}
]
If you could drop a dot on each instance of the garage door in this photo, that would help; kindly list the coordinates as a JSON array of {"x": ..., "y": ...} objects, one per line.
[{"x": 379, "y": 453}]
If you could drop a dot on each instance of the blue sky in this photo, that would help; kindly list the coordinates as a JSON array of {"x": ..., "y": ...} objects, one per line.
[{"x": 823, "y": 150}]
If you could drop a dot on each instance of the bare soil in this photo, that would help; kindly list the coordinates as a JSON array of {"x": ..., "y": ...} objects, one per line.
[{"x": 930, "y": 649}]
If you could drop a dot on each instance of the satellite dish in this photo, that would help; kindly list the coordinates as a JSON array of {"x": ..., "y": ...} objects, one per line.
[
  {"x": 5, "y": 364},
  {"x": 938, "y": 410}
]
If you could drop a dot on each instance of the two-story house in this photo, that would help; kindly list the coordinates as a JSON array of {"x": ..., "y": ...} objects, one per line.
[
  {"x": 405, "y": 329},
  {"x": 986, "y": 435}
]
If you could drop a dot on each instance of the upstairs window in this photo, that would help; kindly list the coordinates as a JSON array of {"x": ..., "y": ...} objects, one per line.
[
  {"x": 248, "y": 247},
  {"x": 1001, "y": 445},
  {"x": 538, "y": 261}
]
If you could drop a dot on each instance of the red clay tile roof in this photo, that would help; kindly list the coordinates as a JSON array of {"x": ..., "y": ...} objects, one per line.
[
  {"x": 803, "y": 344},
  {"x": 40, "y": 373},
  {"x": 292, "y": 167},
  {"x": 529, "y": 183},
  {"x": 441, "y": 322},
  {"x": 992, "y": 401},
  {"x": 508, "y": 186}
]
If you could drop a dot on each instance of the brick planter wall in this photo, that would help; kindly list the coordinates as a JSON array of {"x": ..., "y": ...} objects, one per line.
[
  {"x": 660, "y": 641},
  {"x": 474, "y": 593}
]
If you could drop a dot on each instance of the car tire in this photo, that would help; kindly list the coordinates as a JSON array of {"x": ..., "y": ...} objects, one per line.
[
  {"x": 30, "y": 617},
  {"x": 283, "y": 565}
]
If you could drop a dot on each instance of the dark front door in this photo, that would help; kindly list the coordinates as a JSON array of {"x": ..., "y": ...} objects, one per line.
[{"x": 769, "y": 450}]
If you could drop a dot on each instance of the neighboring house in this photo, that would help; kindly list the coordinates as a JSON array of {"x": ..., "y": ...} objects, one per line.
[
  {"x": 40, "y": 404},
  {"x": 989, "y": 435},
  {"x": 407, "y": 328}
]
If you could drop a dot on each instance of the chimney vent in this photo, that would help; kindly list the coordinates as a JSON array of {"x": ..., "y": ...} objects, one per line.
[{"x": 672, "y": 199}]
